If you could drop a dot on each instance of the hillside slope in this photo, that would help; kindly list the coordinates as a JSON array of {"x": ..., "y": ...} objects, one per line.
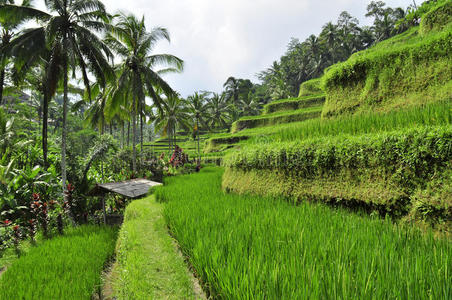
[
  {"x": 412, "y": 68},
  {"x": 384, "y": 142}
]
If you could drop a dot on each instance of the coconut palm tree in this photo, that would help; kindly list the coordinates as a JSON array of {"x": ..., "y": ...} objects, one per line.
[
  {"x": 7, "y": 32},
  {"x": 198, "y": 107},
  {"x": 218, "y": 110},
  {"x": 232, "y": 89},
  {"x": 68, "y": 27},
  {"x": 138, "y": 76},
  {"x": 249, "y": 106},
  {"x": 175, "y": 115}
]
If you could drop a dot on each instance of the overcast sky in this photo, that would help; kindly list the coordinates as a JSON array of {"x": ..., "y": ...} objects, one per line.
[{"x": 222, "y": 38}]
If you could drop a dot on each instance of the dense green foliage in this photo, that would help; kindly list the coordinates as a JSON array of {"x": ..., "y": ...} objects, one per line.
[
  {"x": 147, "y": 264},
  {"x": 66, "y": 267},
  {"x": 293, "y": 104},
  {"x": 437, "y": 18},
  {"x": 276, "y": 118},
  {"x": 409, "y": 69},
  {"x": 252, "y": 247},
  {"x": 311, "y": 87}
]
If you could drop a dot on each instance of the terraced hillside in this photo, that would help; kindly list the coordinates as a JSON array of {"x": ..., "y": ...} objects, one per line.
[
  {"x": 412, "y": 68},
  {"x": 384, "y": 142},
  {"x": 275, "y": 117}
]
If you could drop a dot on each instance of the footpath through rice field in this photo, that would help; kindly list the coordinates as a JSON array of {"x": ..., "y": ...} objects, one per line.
[{"x": 148, "y": 264}]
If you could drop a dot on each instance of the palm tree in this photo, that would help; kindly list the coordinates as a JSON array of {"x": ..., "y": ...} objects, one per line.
[
  {"x": 68, "y": 26},
  {"x": 7, "y": 27},
  {"x": 232, "y": 89},
  {"x": 175, "y": 115},
  {"x": 43, "y": 80},
  {"x": 198, "y": 110},
  {"x": 137, "y": 75},
  {"x": 249, "y": 106},
  {"x": 329, "y": 35},
  {"x": 218, "y": 110}
]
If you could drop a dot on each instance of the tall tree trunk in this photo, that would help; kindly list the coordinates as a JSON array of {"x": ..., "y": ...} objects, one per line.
[
  {"x": 111, "y": 128},
  {"x": 122, "y": 134},
  {"x": 65, "y": 104},
  {"x": 2, "y": 82},
  {"x": 128, "y": 134},
  {"x": 197, "y": 132},
  {"x": 141, "y": 138},
  {"x": 169, "y": 138},
  {"x": 45, "y": 117},
  {"x": 134, "y": 133}
]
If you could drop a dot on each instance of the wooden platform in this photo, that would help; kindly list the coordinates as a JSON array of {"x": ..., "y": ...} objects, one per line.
[{"x": 134, "y": 188}]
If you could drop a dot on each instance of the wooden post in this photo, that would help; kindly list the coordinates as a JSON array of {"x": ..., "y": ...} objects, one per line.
[{"x": 105, "y": 213}]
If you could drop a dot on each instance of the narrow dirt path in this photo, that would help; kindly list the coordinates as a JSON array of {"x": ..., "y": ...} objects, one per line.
[{"x": 148, "y": 263}]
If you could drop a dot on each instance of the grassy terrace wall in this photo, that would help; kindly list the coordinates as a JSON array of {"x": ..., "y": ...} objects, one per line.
[
  {"x": 398, "y": 172},
  {"x": 437, "y": 19},
  {"x": 214, "y": 144},
  {"x": 293, "y": 104},
  {"x": 277, "y": 118},
  {"x": 409, "y": 69},
  {"x": 311, "y": 87}
]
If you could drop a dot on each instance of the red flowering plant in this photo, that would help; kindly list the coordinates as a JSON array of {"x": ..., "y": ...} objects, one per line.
[
  {"x": 17, "y": 237},
  {"x": 69, "y": 204},
  {"x": 178, "y": 159},
  {"x": 41, "y": 214},
  {"x": 32, "y": 229}
]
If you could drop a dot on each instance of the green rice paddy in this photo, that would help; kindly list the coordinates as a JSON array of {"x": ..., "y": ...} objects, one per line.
[{"x": 247, "y": 247}]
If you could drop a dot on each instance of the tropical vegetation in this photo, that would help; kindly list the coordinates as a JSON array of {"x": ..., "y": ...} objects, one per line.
[{"x": 334, "y": 168}]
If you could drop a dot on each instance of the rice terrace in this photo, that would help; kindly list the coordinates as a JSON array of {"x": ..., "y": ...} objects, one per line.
[{"x": 196, "y": 149}]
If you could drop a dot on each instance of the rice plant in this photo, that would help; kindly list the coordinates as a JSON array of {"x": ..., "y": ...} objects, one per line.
[
  {"x": 247, "y": 247},
  {"x": 66, "y": 267}
]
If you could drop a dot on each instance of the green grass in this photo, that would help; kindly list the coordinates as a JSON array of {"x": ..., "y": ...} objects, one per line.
[
  {"x": 276, "y": 118},
  {"x": 148, "y": 265},
  {"x": 429, "y": 114},
  {"x": 311, "y": 87},
  {"x": 293, "y": 104},
  {"x": 433, "y": 114},
  {"x": 65, "y": 267},
  {"x": 246, "y": 247},
  {"x": 282, "y": 113}
]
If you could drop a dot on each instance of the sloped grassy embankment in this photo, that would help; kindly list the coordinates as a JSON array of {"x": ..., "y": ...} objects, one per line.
[
  {"x": 66, "y": 267},
  {"x": 400, "y": 172},
  {"x": 284, "y": 111},
  {"x": 409, "y": 69},
  {"x": 250, "y": 247}
]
